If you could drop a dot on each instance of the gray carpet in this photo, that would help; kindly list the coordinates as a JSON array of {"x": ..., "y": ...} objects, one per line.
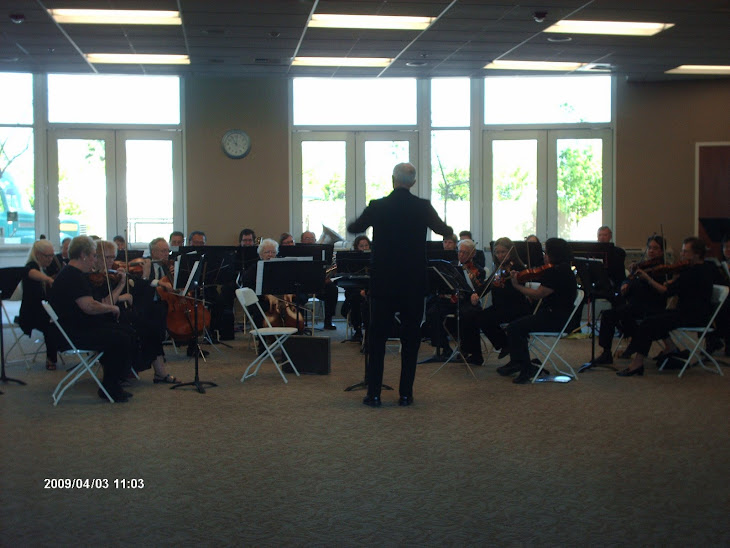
[{"x": 601, "y": 461}]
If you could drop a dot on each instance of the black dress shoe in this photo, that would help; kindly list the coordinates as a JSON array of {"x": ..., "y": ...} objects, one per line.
[
  {"x": 405, "y": 401},
  {"x": 508, "y": 369},
  {"x": 503, "y": 353},
  {"x": 117, "y": 396},
  {"x": 372, "y": 401},
  {"x": 604, "y": 359},
  {"x": 522, "y": 378},
  {"x": 329, "y": 326},
  {"x": 631, "y": 372}
]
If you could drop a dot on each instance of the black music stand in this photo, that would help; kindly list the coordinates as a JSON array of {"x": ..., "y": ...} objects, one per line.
[
  {"x": 595, "y": 281},
  {"x": 353, "y": 273},
  {"x": 9, "y": 280},
  {"x": 197, "y": 383},
  {"x": 282, "y": 277},
  {"x": 529, "y": 252},
  {"x": 449, "y": 280}
]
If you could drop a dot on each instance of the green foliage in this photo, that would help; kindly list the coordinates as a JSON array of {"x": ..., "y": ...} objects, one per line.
[
  {"x": 68, "y": 207},
  {"x": 455, "y": 187},
  {"x": 510, "y": 187},
  {"x": 332, "y": 190},
  {"x": 580, "y": 183}
]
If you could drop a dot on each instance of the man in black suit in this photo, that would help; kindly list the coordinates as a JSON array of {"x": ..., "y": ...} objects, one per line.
[{"x": 398, "y": 276}]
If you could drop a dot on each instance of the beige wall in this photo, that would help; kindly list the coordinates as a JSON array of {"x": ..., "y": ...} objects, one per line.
[
  {"x": 225, "y": 195},
  {"x": 657, "y": 127}
]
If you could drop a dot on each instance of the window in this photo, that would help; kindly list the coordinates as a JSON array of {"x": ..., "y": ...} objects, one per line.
[
  {"x": 330, "y": 101},
  {"x": 113, "y": 99},
  {"x": 547, "y": 99}
]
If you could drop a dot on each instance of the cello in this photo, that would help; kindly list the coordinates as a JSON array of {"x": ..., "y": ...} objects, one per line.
[{"x": 180, "y": 309}]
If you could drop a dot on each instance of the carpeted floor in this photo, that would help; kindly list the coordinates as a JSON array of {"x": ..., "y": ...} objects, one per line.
[{"x": 601, "y": 461}]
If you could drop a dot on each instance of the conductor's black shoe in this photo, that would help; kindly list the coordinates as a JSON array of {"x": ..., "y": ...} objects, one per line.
[
  {"x": 604, "y": 359},
  {"x": 405, "y": 401},
  {"x": 372, "y": 401},
  {"x": 510, "y": 368}
]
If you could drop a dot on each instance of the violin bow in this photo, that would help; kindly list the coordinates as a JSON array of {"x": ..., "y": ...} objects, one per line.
[
  {"x": 106, "y": 274},
  {"x": 494, "y": 274}
]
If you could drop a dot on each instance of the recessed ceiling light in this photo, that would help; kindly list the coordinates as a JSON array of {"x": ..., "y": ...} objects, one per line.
[
  {"x": 700, "y": 69},
  {"x": 137, "y": 59},
  {"x": 559, "y": 39},
  {"x": 115, "y": 17},
  {"x": 327, "y": 20},
  {"x": 609, "y": 27},
  {"x": 534, "y": 65},
  {"x": 341, "y": 61}
]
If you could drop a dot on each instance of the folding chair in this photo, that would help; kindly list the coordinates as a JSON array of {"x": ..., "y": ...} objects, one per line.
[
  {"x": 87, "y": 360},
  {"x": 683, "y": 335},
  {"x": 548, "y": 352},
  {"x": 247, "y": 297},
  {"x": 26, "y": 356}
]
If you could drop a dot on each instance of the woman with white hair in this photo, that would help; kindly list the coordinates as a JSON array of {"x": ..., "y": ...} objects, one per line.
[{"x": 35, "y": 284}]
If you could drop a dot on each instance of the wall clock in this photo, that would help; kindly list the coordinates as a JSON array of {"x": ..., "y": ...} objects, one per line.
[{"x": 236, "y": 144}]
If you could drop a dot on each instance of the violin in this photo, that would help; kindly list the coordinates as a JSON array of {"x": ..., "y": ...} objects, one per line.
[
  {"x": 133, "y": 267},
  {"x": 532, "y": 274},
  {"x": 663, "y": 269},
  {"x": 645, "y": 265},
  {"x": 98, "y": 279}
]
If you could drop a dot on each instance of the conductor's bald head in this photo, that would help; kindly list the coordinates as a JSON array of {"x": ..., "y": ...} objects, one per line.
[{"x": 404, "y": 175}]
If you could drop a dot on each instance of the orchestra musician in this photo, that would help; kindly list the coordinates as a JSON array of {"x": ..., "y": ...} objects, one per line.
[
  {"x": 616, "y": 271},
  {"x": 143, "y": 327},
  {"x": 176, "y": 239},
  {"x": 60, "y": 259},
  {"x": 91, "y": 324},
  {"x": 398, "y": 276},
  {"x": 449, "y": 242},
  {"x": 638, "y": 301},
  {"x": 36, "y": 283},
  {"x": 507, "y": 302},
  {"x": 468, "y": 308},
  {"x": 557, "y": 290},
  {"x": 722, "y": 320},
  {"x": 356, "y": 299},
  {"x": 286, "y": 239},
  {"x": 692, "y": 284},
  {"x": 247, "y": 238}
]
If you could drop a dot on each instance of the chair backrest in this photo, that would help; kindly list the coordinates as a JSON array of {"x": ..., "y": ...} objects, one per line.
[
  {"x": 719, "y": 295},
  {"x": 54, "y": 318},
  {"x": 579, "y": 294},
  {"x": 247, "y": 297}
]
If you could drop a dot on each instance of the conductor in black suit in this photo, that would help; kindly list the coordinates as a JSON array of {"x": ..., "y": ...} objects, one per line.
[{"x": 397, "y": 276}]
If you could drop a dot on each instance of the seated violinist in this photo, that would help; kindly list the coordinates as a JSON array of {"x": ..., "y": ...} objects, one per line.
[
  {"x": 639, "y": 300},
  {"x": 692, "y": 284},
  {"x": 91, "y": 324},
  {"x": 36, "y": 283},
  {"x": 722, "y": 321},
  {"x": 144, "y": 328},
  {"x": 557, "y": 290},
  {"x": 507, "y": 302},
  {"x": 468, "y": 308}
]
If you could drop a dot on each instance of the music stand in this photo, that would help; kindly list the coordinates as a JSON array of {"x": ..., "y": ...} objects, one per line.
[
  {"x": 318, "y": 252},
  {"x": 594, "y": 279},
  {"x": 529, "y": 253},
  {"x": 197, "y": 383},
  {"x": 448, "y": 255},
  {"x": 9, "y": 280},
  {"x": 290, "y": 276}
]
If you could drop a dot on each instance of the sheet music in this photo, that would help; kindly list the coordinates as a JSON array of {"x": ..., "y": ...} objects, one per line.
[{"x": 191, "y": 277}]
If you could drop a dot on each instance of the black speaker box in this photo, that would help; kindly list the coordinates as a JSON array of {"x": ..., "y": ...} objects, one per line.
[{"x": 309, "y": 354}]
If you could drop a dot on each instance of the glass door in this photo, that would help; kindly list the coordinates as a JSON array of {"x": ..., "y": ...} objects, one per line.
[
  {"x": 547, "y": 182},
  {"x": 105, "y": 183},
  {"x": 337, "y": 173}
]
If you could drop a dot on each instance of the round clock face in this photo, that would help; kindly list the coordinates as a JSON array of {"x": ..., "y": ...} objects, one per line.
[{"x": 236, "y": 143}]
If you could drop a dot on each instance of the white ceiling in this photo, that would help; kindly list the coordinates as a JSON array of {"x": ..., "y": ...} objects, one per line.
[{"x": 259, "y": 37}]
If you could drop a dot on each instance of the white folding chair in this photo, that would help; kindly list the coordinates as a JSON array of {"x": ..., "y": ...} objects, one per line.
[
  {"x": 683, "y": 335},
  {"x": 548, "y": 352},
  {"x": 25, "y": 356},
  {"x": 87, "y": 360},
  {"x": 247, "y": 297}
]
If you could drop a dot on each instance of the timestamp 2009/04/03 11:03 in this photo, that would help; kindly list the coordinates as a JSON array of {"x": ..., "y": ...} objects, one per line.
[{"x": 93, "y": 483}]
